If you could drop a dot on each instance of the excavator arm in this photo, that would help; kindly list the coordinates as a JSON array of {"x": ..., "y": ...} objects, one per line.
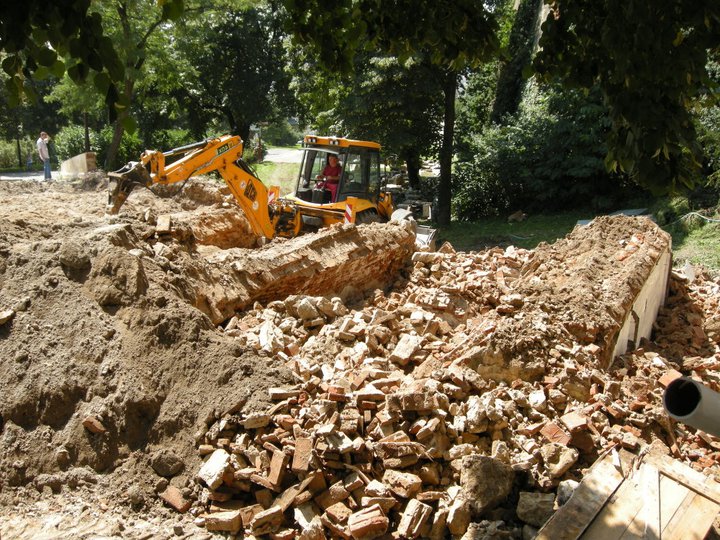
[{"x": 222, "y": 154}]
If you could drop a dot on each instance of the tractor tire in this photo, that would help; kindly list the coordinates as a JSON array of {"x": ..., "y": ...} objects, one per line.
[{"x": 367, "y": 216}]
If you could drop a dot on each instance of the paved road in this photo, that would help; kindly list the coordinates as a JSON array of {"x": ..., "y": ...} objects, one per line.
[{"x": 284, "y": 155}]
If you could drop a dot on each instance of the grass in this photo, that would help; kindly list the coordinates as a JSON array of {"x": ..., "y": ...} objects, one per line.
[
  {"x": 278, "y": 174},
  {"x": 696, "y": 241},
  {"x": 498, "y": 232}
]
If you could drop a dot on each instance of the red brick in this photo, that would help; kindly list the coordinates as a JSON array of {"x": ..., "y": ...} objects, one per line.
[
  {"x": 303, "y": 455},
  {"x": 554, "y": 433},
  {"x": 174, "y": 497},
  {"x": 668, "y": 377},
  {"x": 93, "y": 425}
]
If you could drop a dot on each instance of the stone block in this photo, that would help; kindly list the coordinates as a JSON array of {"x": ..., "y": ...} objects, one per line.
[
  {"x": 535, "y": 508},
  {"x": 214, "y": 468},
  {"x": 229, "y": 521}
]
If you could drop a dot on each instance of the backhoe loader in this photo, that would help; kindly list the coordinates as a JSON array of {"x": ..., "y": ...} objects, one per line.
[{"x": 358, "y": 196}]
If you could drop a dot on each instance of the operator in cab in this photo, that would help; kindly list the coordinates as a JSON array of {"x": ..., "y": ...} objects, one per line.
[{"x": 330, "y": 176}]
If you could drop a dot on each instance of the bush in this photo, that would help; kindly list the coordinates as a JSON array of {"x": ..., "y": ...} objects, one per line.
[
  {"x": 254, "y": 154},
  {"x": 9, "y": 157},
  {"x": 70, "y": 141},
  {"x": 548, "y": 157},
  {"x": 708, "y": 126}
]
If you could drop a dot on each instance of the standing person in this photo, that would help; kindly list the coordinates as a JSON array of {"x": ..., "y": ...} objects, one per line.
[{"x": 42, "y": 148}]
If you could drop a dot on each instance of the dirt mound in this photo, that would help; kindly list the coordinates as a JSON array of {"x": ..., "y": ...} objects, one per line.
[
  {"x": 128, "y": 341},
  {"x": 99, "y": 332}
]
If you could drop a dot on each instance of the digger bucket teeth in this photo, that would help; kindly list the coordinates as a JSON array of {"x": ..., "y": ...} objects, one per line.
[{"x": 122, "y": 182}]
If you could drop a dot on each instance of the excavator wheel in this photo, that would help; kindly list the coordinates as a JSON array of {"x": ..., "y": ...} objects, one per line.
[{"x": 367, "y": 216}]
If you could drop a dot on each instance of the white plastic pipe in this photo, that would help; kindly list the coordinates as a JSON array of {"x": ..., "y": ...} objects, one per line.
[{"x": 694, "y": 404}]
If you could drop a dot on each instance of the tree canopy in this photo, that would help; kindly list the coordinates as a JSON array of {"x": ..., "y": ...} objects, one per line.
[
  {"x": 39, "y": 39},
  {"x": 649, "y": 58}
]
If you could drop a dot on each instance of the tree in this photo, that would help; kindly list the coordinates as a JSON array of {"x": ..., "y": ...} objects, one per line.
[
  {"x": 24, "y": 122},
  {"x": 130, "y": 24},
  {"x": 397, "y": 105},
  {"x": 237, "y": 62},
  {"x": 649, "y": 57},
  {"x": 77, "y": 99},
  {"x": 405, "y": 110},
  {"x": 452, "y": 34},
  {"x": 39, "y": 39},
  {"x": 511, "y": 81},
  {"x": 317, "y": 90}
]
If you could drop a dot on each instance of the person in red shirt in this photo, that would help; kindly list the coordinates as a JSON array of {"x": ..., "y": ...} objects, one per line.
[{"x": 330, "y": 176}]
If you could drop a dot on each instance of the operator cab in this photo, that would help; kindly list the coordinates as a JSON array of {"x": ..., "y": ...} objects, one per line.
[{"x": 359, "y": 163}]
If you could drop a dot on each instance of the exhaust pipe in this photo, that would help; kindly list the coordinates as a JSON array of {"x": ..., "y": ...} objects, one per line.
[{"x": 694, "y": 404}]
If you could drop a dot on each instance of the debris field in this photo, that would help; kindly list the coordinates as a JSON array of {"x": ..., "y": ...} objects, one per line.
[{"x": 336, "y": 385}]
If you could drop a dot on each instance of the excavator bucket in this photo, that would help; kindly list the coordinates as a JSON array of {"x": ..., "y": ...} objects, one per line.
[
  {"x": 122, "y": 182},
  {"x": 425, "y": 237}
]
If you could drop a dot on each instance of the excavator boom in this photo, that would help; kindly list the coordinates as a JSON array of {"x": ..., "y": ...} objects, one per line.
[
  {"x": 358, "y": 196},
  {"x": 222, "y": 154}
]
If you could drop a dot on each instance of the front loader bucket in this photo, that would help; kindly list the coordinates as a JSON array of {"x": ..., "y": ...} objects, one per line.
[
  {"x": 122, "y": 182},
  {"x": 425, "y": 237}
]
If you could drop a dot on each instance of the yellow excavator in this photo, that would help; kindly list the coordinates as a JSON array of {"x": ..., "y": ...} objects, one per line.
[{"x": 356, "y": 196}]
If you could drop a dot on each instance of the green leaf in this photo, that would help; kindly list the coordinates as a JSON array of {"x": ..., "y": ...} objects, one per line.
[
  {"x": 94, "y": 61},
  {"x": 46, "y": 56},
  {"x": 102, "y": 82},
  {"x": 172, "y": 9},
  {"x": 78, "y": 72},
  {"x": 11, "y": 65},
  {"x": 30, "y": 92},
  {"x": 41, "y": 73},
  {"x": 58, "y": 68},
  {"x": 129, "y": 124}
]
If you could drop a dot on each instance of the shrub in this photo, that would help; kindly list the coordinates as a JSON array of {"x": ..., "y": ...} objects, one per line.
[
  {"x": 548, "y": 157},
  {"x": 130, "y": 146},
  {"x": 70, "y": 141},
  {"x": 253, "y": 154},
  {"x": 9, "y": 157}
]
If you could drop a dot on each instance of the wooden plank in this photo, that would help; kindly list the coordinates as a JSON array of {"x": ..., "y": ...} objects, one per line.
[
  {"x": 672, "y": 495},
  {"x": 686, "y": 476},
  {"x": 612, "y": 522},
  {"x": 588, "y": 498},
  {"x": 646, "y": 524},
  {"x": 693, "y": 518},
  {"x": 663, "y": 499}
]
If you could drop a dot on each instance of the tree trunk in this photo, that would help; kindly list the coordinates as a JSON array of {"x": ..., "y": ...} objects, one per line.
[
  {"x": 511, "y": 83},
  {"x": 19, "y": 153},
  {"x": 111, "y": 158},
  {"x": 87, "y": 132},
  {"x": 118, "y": 128},
  {"x": 446, "y": 151},
  {"x": 412, "y": 161},
  {"x": 244, "y": 132}
]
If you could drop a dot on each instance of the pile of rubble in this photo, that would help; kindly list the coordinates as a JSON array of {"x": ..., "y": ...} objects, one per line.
[{"x": 393, "y": 428}]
